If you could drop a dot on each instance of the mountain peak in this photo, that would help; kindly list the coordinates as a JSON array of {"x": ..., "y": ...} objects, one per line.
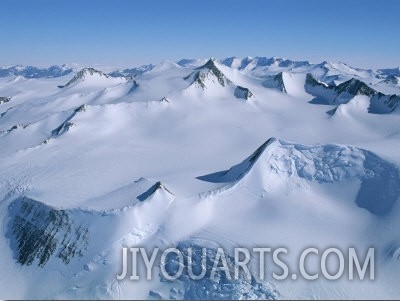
[
  {"x": 355, "y": 87},
  {"x": 89, "y": 71},
  {"x": 210, "y": 64},
  {"x": 237, "y": 172},
  {"x": 204, "y": 72},
  {"x": 97, "y": 78},
  {"x": 82, "y": 75},
  {"x": 157, "y": 187},
  {"x": 278, "y": 163}
]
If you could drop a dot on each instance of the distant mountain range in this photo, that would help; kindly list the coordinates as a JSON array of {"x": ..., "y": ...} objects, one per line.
[{"x": 249, "y": 64}]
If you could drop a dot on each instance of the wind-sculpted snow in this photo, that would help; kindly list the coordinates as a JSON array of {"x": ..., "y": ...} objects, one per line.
[
  {"x": 278, "y": 163},
  {"x": 287, "y": 82}
]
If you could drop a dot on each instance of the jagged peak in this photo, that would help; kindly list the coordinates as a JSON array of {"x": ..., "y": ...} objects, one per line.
[
  {"x": 158, "y": 186},
  {"x": 83, "y": 74},
  {"x": 237, "y": 172},
  {"x": 93, "y": 76},
  {"x": 89, "y": 71},
  {"x": 209, "y": 68},
  {"x": 311, "y": 80},
  {"x": 81, "y": 108},
  {"x": 355, "y": 87},
  {"x": 325, "y": 65},
  {"x": 210, "y": 64}
]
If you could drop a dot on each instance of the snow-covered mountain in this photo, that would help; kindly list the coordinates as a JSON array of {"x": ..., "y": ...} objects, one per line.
[
  {"x": 91, "y": 76},
  {"x": 198, "y": 153},
  {"x": 210, "y": 77}
]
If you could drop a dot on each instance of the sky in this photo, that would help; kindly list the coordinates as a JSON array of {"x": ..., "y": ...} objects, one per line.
[{"x": 128, "y": 33}]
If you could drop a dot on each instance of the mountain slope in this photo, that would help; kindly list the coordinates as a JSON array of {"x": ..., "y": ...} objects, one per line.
[
  {"x": 277, "y": 163},
  {"x": 209, "y": 77},
  {"x": 91, "y": 76},
  {"x": 343, "y": 93}
]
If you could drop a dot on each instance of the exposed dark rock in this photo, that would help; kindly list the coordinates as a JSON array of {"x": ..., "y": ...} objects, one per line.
[
  {"x": 243, "y": 93},
  {"x": 4, "y": 99},
  {"x": 38, "y": 231}
]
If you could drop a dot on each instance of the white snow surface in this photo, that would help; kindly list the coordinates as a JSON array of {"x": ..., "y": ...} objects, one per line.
[{"x": 159, "y": 160}]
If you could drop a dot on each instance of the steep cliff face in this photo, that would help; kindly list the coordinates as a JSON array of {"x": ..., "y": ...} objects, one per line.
[
  {"x": 383, "y": 104},
  {"x": 339, "y": 94},
  {"x": 275, "y": 82},
  {"x": 243, "y": 93},
  {"x": 38, "y": 232}
]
